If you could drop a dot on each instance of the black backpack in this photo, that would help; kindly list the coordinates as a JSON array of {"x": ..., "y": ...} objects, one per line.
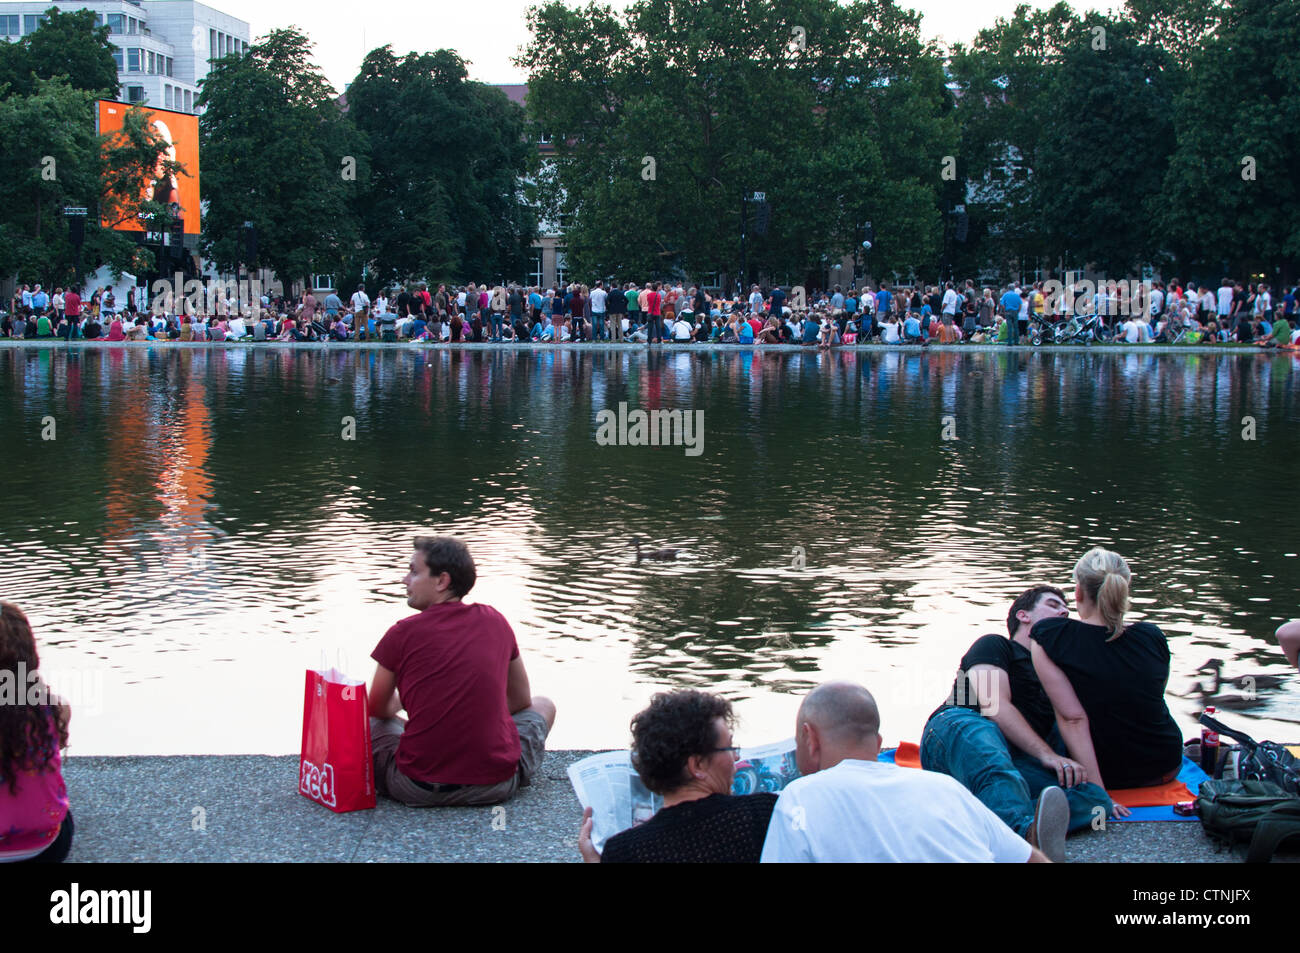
[{"x": 1258, "y": 812}]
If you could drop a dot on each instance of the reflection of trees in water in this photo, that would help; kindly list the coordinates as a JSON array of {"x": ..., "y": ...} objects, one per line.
[{"x": 822, "y": 450}]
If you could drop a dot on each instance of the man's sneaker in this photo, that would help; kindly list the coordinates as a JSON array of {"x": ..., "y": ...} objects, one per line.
[{"x": 1051, "y": 823}]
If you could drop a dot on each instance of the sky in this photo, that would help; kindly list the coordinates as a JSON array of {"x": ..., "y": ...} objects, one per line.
[{"x": 490, "y": 33}]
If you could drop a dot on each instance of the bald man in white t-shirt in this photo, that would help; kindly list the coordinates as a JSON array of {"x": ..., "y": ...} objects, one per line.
[{"x": 849, "y": 807}]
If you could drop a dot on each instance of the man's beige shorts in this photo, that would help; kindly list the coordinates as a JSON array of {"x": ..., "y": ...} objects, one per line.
[{"x": 384, "y": 738}]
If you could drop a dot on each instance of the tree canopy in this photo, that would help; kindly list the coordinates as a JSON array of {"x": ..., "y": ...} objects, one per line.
[
  {"x": 278, "y": 152},
  {"x": 52, "y": 159},
  {"x": 664, "y": 116},
  {"x": 447, "y": 155}
]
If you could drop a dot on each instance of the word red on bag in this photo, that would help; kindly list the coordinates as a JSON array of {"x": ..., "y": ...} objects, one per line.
[{"x": 336, "y": 769}]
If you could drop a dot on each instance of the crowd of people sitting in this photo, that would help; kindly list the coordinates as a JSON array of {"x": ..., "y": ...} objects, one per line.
[
  {"x": 663, "y": 313},
  {"x": 1040, "y": 728}
]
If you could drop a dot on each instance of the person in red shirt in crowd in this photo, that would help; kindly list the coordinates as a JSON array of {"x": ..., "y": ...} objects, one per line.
[
  {"x": 653, "y": 311},
  {"x": 72, "y": 305},
  {"x": 474, "y": 733}
]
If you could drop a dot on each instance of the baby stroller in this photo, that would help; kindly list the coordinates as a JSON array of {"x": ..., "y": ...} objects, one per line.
[
  {"x": 1085, "y": 329},
  {"x": 1043, "y": 330}
]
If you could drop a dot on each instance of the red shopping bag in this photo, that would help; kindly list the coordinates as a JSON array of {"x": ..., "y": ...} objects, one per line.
[{"x": 336, "y": 768}]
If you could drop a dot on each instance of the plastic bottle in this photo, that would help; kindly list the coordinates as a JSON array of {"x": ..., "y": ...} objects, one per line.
[{"x": 1209, "y": 746}]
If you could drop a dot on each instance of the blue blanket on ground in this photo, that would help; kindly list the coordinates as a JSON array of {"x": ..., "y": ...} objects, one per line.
[{"x": 1191, "y": 775}]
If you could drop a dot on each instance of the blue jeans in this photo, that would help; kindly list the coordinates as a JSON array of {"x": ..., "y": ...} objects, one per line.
[
  {"x": 653, "y": 330},
  {"x": 971, "y": 748},
  {"x": 496, "y": 325},
  {"x": 598, "y": 326}
]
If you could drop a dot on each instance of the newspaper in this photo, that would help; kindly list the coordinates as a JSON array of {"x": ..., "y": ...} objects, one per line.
[{"x": 607, "y": 783}]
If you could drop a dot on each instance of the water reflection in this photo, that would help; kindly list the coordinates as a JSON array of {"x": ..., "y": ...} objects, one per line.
[{"x": 207, "y": 520}]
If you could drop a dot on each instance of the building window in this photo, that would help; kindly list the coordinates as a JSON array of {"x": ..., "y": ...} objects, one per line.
[
  {"x": 561, "y": 269},
  {"x": 32, "y": 22},
  {"x": 535, "y": 267},
  {"x": 116, "y": 23},
  {"x": 132, "y": 25},
  {"x": 135, "y": 94},
  {"x": 169, "y": 66},
  {"x": 153, "y": 62},
  {"x": 133, "y": 60},
  {"x": 322, "y": 282},
  {"x": 167, "y": 95},
  {"x": 117, "y": 58},
  {"x": 9, "y": 25},
  {"x": 189, "y": 104},
  {"x": 212, "y": 44}
]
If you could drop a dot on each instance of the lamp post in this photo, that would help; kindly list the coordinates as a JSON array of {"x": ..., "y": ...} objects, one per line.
[
  {"x": 76, "y": 216},
  {"x": 745, "y": 199}
]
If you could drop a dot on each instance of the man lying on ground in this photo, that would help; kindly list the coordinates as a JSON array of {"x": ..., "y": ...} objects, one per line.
[{"x": 996, "y": 732}]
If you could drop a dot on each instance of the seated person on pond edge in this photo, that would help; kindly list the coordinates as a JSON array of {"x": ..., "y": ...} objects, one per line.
[
  {"x": 35, "y": 822},
  {"x": 849, "y": 807},
  {"x": 474, "y": 733},
  {"x": 1288, "y": 637},
  {"x": 996, "y": 731},
  {"x": 683, "y": 749},
  {"x": 1106, "y": 681}
]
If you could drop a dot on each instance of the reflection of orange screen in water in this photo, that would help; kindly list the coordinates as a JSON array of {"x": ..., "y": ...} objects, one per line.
[{"x": 181, "y": 132}]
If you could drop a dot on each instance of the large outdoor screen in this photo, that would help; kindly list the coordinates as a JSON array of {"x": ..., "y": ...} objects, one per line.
[{"x": 182, "y": 131}]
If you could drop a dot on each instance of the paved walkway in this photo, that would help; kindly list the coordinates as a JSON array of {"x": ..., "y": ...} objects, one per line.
[{"x": 246, "y": 808}]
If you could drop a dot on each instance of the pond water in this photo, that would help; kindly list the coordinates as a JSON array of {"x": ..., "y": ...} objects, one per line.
[{"x": 190, "y": 528}]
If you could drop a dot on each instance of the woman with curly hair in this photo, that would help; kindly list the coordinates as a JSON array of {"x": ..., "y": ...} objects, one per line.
[
  {"x": 35, "y": 823},
  {"x": 682, "y": 748}
]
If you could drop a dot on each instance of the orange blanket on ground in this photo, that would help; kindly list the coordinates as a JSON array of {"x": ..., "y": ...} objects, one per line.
[{"x": 908, "y": 755}]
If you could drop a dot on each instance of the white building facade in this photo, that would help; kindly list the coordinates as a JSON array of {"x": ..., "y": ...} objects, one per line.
[{"x": 162, "y": 47}]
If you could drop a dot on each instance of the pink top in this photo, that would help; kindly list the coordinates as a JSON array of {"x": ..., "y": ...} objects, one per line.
[
  {"x": 30, "y": 820},
  {"x": 115, "y": 331}
]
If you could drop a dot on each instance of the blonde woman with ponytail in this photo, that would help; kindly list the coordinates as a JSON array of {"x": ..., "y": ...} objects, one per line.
[{"x": 1106, "y": 681}]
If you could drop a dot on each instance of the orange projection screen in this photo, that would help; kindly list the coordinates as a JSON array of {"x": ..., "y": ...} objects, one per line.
[{"x": 182, "y": 131}]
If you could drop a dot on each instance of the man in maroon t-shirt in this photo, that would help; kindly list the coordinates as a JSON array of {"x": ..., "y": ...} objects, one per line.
[{"x": 474, "y": 733}]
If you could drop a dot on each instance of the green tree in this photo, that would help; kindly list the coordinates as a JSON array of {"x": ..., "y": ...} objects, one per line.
[
  {"x": 447, "y": 159},
  {"x": 1107, "y": 134},
  {"x": 278, "y": 152},
  {"x": 1232, "y": 184},
  {"x": 665, "y": 116},
  {"x": 53, "y": 159},
  {"x": 1003, "y": 79},
  {"x": 65, "y": 44}
]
